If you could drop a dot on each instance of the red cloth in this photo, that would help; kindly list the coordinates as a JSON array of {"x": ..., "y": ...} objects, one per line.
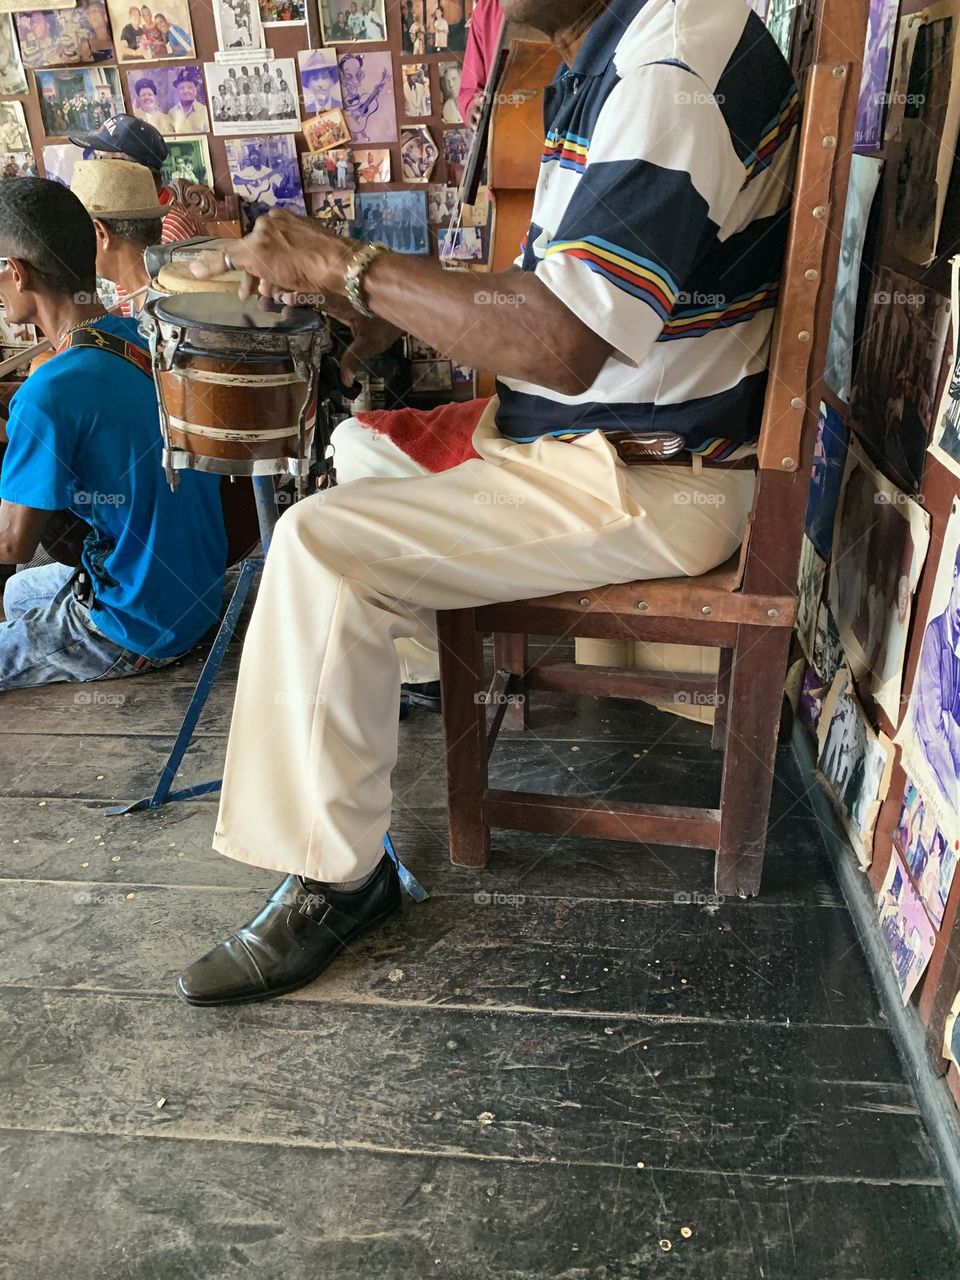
[
  {"x": 438, "y": 439},
  {"x": 486, "y": 28}
]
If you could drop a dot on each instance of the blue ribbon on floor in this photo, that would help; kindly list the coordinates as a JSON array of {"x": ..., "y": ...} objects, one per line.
[{"x": 409, "y": 881}]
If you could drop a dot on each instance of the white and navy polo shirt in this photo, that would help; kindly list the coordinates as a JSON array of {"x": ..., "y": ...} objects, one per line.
[{"x": 660, "y": 219}]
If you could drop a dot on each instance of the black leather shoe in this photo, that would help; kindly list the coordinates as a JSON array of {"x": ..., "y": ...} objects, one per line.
[
  {"x": 421, "y": 695},
  {"x": 292, "y": 941}
]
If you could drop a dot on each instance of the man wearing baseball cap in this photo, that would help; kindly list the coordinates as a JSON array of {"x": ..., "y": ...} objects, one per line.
[
  {"x": 126, "y": 136},
  {"x": 122, "y": 201}
]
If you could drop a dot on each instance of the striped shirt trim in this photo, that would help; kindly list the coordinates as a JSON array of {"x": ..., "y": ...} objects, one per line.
[
  {"x": 570, "y": 151},
  {"x": 693, "y": 324},
  {"x": 775, "y": 135},
  {"x": 718, "y": 448},
  {"x": 637, "y": 276}
]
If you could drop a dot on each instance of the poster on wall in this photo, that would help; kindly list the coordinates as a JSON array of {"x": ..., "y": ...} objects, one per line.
[
  {"x": 854, "y": 763},
  {"x": 931, "y": 126},
  {"x": 65, "y": 37},
  {"x": 172, "y": 99},
  {"x": 898, "y": 373},
  {"x": 864, "y": 180},
  {"x": 369, "y": 103},
  {"x": 878, "y": 54},
  {"x": 909, "y": 936},
  {"x": 152, "y": 36},
  {"x": 945, "y": 444},
  {"x": 826, "y": 479},
  {"x": 348, "y": 23},
  {"x": 880, "y": 546},
  {"x": 929, "y": 737},
  {"x": 265, "y": 174},
  {"x": 930, "y": 856},
  {"x": 259, "y": 98},
  {"x": 188, "y": 159},
  {"x": 78, "y": 100},
  {"x": 13, "y": 82}
]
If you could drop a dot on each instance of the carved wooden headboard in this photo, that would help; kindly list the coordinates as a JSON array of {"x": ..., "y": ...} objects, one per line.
[{"x": 221, "y": 216}]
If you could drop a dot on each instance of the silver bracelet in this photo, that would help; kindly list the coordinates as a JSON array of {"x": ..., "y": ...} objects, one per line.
[{"x": 357, "y": 269}]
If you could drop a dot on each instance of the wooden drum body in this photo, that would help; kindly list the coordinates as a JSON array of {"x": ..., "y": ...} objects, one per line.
[{"x": 236, "y": 384}]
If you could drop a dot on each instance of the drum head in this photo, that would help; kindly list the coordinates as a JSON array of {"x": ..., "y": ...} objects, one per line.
[
  {"x": 176, "y": 277},
  {"x": 226, "y": 313}
]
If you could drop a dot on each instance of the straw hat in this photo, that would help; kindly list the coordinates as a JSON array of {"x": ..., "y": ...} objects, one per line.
[{"x": 116, "y": 189}]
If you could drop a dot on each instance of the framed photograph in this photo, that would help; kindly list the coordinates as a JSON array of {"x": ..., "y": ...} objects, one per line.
[
  {"x": 150, "y": 35},
  {"x": 238, "y": 24},
  {"x": 66, "y": 37},
  {"x": 337, "y": 212},
  {"x": 327, "y": 130},
  {"x": 13, "y": 82},
  {"x": 434, "y": 26},
  {"x": 172, "y": 99},
  {"x": 416, "y": 89},
  {"x": 456, "y": 149},
  {"x": 397, "y": 219},
  {"x": 418, "y": 154},
  {"x": 320, "y": 78},
  {"x": 463, "y": 245},
  {"x": 17, "y": 164},
  {"x": 430, "y": 375},
  {"x": 368, "y": 96},
  {"x": 450, "y": 74},
  {"x": 373, "y": 165},
  {"x": 328, "y": 170},
  {"x": 189, "y": 159},
  {"x": 14, "y": 135},
  {"x": 257, "y": 96},
  {"x": 265, "y": 174},
  {"x": 353, "y": 21},
  {"x": 283, "y": 13},
  {"x": 59, "y": 159}
]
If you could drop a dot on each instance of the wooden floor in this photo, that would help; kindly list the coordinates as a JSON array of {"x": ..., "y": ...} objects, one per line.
[{"x": 593, "y": 1076}]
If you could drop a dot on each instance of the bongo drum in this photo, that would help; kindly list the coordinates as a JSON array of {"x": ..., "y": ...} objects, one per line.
[
  {"x": 176, "y": 277},
  {"x": 236, "y": 383}
]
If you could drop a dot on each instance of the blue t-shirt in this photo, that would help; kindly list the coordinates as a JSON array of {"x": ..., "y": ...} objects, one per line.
[{"x": 84, "y": 434}]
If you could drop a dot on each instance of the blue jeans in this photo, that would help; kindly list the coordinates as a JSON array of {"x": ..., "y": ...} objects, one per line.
[{"x": 48, "y": 636}]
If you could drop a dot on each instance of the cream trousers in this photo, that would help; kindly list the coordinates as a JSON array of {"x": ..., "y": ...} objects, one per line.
[{"x": 346, "y": 611}]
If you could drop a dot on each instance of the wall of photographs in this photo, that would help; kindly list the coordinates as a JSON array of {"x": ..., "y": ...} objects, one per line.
[
  {"x": 343, "y": 109},
  {"x": 879, "y": 618}
]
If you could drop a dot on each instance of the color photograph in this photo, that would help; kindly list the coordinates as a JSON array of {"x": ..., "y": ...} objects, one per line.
[
  {"x": 320, "y": 78},
  {"x": 337, "y": 212},
  {"x": 432, "y": 27},
  {"x": 172, "y": 99},
  {"x": 328, "y": 170},
  {"x": 353, "y": 21},
  {"x": 373, "y": 165},
  {"x": 456, "y": 148},
  {"x": 416, "y": 89},
  {"x": 66, "y": 37},
  {"x": 397, "y": 219},
  {"x": 327, "y": 130},
  {"x": 259, "y": 96},
  {"x": 78, "y": 101},
  {"x": 17, "y": 164},
  {"x": 283, "y": 13},
  {"x": 13, "y": 82},
  {"x": 188, "y": 160},
  {"x": 265, "y": 175},
  {"x": 463, "y": 244},
  {"x": 150, "y": 35},
  {"x": 368, "y": 97}
]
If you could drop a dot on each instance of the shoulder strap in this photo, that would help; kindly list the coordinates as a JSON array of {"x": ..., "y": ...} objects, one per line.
[{"x": 99, "y": 340}]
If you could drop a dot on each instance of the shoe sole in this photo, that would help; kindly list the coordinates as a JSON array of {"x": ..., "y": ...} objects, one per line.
[{"x": 259, "y": 996}]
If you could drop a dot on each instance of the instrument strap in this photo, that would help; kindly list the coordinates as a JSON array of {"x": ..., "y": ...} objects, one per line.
[{"x": 99, "y": 340}]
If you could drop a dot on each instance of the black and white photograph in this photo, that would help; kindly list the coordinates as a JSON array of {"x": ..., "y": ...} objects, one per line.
[
  {"x": 368, "y": 97},
  {"x": 880, "y": 547},
  {"x": 77, "y": 100},
  {"x": 320, "y": 78},
  {"x": 397, "y": 219},
  {"x": 188, "y": 159},
  {"x": 265, "y": 174},
  {"x": 864, "y": 178},
  {"x": 416, "y": 89},
  {"x": 897, "y": 376},
  {"x": 945, "y": 444},
  {"x": 450, "y": 75},
  {"x": 854, "y": 762},
  {"x": 443, "y": 204},
  {"x": 14, "y": 135},
  {"x": 328, "y": 170},
  {"x": 809, "y": 595},
  {"x": 418, "y": 154},
  {"x": 13, "y": 81},
  {"x": 929, "y": 737},
  {"x": 256, "y": 97},
  {"x": 238, "y": 24},
  {"x": 353, "y": 21},
  {"x": 15, "y": 336}
]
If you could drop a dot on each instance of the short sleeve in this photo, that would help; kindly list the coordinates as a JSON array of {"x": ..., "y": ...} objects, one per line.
[
  {"x": 37, "y": 469},
  {"x": 660, "y": 177}
]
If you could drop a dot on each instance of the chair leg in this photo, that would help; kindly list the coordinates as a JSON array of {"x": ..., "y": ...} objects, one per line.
[
  {"x": 510, "y": 654},
  {"x": 464, "y": 735},
  {"x": 722, "y": 708},
  {"x": 759, "y": 662}
]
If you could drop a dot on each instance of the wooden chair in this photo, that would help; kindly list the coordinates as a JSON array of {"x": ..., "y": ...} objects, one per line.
[
  {"x": 746, "y": 608},
  {"x": 222, "y": 217}
]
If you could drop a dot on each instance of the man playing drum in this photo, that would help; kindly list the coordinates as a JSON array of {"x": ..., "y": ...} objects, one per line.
[
  {"x": 84, "y": 436},
  {"x": 642, "y": 301}
]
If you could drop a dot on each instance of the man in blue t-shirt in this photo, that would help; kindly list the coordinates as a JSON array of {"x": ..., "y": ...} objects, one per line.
[{"x": 84, "y": 436}]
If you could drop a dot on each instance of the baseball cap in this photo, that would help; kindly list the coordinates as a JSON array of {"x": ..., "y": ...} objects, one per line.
[{"x": 128, "y": 136}]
